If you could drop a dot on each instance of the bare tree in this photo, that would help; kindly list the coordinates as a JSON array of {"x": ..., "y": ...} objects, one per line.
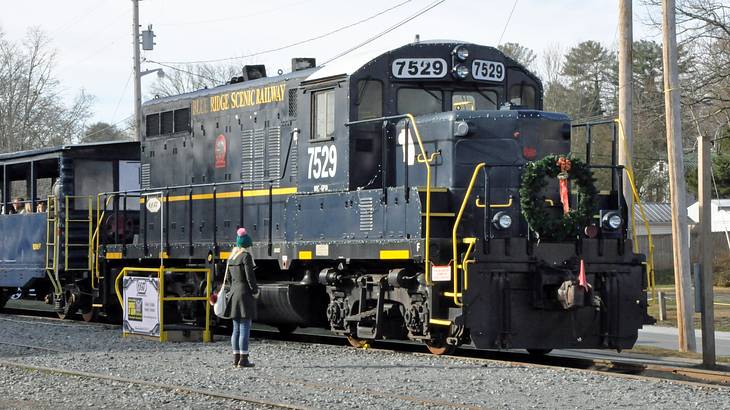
[
  {"x": 180, "y": 80},
  {"x": 32, "y": 111}
]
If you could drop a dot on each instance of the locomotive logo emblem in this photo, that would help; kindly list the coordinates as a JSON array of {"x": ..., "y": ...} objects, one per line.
[
  {"x": 153, "y": 204},
  {"x": 220, "y": 151}
]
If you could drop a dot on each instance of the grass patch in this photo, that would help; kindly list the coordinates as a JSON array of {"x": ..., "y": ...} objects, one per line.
[
  {"x": 658, "y": 351},
  {"x": 722, "y": 312}
]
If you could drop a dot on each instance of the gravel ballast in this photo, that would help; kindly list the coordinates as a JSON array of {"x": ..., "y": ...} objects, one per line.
[{"x": 298, "y": 374}]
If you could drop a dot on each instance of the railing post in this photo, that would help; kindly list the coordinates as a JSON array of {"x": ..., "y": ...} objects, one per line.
[
  {"x": 662, "y": 306},
  {"x": 190, "y": 222},
  {"x": 215, "y": 220},
  {"x": 166, "y": 197},
  {"x": 384, "y": 163},
  {"x": 406, "y": 140},
  {"x": 240, "y": 205},
  {"x": 271, "y": 219}
]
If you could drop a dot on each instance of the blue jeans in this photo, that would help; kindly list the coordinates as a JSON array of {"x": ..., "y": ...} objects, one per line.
[{"x": 239, "y": 337}]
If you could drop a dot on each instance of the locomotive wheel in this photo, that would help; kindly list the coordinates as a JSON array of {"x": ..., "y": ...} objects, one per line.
[
  {"x": 355, "y": 342},
  {"x": 65, "y": 313},
  {"x": 89, "y": 315},
  {"x": 440, "y": 347},
  {"x": 539, "y": 352}
]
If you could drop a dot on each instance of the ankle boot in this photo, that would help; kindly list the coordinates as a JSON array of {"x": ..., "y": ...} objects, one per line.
[
  {"x": 244, "y": 362},
  {"x": 236, "y": 359}
]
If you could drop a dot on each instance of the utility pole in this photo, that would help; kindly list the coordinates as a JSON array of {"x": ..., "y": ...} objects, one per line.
[
  {"x": 704, "y": 169},
  {"x": 625, "y": 93},
  {"x": 137, "y": 75},
  {"x": 680, "y": 234}
]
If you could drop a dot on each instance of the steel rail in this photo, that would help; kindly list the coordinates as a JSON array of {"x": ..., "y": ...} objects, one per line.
[{"x": 144, "y": 383}]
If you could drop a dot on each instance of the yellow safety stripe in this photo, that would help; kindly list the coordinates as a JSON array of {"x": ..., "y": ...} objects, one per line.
[
  {"x": 440, "y": 322},
  {"x": 395, "y": 254},
  {"x": 230, "y": 194}
]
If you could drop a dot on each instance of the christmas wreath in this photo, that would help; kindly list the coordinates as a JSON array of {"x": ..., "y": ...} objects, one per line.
[{"x": 534, "y": 205}]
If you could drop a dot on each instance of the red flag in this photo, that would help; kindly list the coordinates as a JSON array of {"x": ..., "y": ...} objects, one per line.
[
  {"x": 582, "y": 279},
  {"x": 564, "y": 195}
]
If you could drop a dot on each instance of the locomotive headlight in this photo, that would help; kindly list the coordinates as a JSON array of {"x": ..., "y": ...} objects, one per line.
[
  {"x": 461, "y": 129},
  {"x": 502, "y": 220},
  {"x": 461, "y": 52},
  {"x": 461, "y": 71},
  {"x": 612, "y": 220}
]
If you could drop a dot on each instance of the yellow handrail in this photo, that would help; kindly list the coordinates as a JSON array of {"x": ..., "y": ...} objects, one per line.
[
  {"x": 635, "y": 195},
  {"x": 455, "y": 268},
  {"x": 95, "y": 237},
  {"x": 162, "y": 298},
  {"x": 482, "y": 205},
  {"x": 426, "y": 160}
]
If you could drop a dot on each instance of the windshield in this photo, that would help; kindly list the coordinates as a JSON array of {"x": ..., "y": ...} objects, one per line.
[
  {"x": 474, "y": 100},
  {"x": 419, "y": 101}
]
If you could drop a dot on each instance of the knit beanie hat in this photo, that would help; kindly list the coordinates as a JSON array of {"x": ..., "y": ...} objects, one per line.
[{"x": 242, "y": 238}]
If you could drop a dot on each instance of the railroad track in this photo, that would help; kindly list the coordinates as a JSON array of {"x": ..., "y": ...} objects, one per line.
[
  {"x": 625, "y": 367},
  {"x": 148, "y": 384},
  {"x": 284, "y": 382},
  {"x": 631, "y": 368}
]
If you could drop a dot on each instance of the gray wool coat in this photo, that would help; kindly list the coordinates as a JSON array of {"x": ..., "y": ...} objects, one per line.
[{"x": 241, "y": 302}]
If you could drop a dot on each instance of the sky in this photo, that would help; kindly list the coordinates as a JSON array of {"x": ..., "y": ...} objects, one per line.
[{"x": 94, "y": 52}]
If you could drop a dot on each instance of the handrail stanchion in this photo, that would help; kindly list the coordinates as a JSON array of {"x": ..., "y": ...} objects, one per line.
[{"x": 455, "y": 268}]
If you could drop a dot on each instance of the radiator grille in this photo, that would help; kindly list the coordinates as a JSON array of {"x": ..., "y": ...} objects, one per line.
[
  {"x": 274, "y": 154},
  {"x": 366, "y": 214},
  {"x": 145, "y": 176},
  {"x": 259, "y": 156},
  {"x": 247, "y": 158}
]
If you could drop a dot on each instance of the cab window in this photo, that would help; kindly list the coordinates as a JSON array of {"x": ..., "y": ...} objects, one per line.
[
  {"x": 522, "y": 95},
  {"x": 474, "y": 100},
  {"x": 418, "y": 101},
  {"x": 370, "y": 99},
  {"x": 323, "y": 121}
]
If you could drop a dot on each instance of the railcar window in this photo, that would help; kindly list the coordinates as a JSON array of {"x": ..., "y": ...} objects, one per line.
[
  {"x": 474, "y": 100},
  {"x": 522, "y": 94},
  {"x": 419, "y": 101},
  {"x": 166, "y": 125},
  {"x": 182, "y": 120},
  {"x": 370, "y": 99},
  {"x": 324, "y": 115},
  {"x": 152, "y": 125}
]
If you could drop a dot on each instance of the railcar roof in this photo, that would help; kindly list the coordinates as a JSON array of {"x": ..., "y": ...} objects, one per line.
[
  {"x": 352, "y": 62},
  {"x": 230, "y": 87},
  {"x": 63, "y": 148}
]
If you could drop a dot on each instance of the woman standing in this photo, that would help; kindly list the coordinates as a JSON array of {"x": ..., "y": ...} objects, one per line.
[{"x": 243, "y": 294}]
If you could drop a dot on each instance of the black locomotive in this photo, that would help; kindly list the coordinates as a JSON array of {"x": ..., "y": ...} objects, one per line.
[{"x": 383, "y": 197}]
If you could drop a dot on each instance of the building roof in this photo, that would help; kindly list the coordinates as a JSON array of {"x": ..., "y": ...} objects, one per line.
[{"x": 656, "y": 213}]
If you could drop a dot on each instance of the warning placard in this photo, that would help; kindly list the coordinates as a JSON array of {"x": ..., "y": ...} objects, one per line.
[
  {"x": 441, "y": 273},
  {"x": 141, "y": 305}
]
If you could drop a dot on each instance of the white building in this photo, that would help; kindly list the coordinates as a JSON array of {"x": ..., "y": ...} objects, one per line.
[{"x": 720, "y": 209}]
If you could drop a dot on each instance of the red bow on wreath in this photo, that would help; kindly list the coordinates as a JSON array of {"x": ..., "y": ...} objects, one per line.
[{"x": 564, "y": 164}]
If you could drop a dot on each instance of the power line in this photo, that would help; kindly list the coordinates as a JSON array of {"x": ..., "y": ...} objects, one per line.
[
  {"x": 288, "y": 5},
  {"x": 504, "y": 30},
  {"x": 217, "y": 60},
  {"x": 388, "y": 30},
  {"x": 121, "y": 97},
  {"x": 181, "y": 70}
]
